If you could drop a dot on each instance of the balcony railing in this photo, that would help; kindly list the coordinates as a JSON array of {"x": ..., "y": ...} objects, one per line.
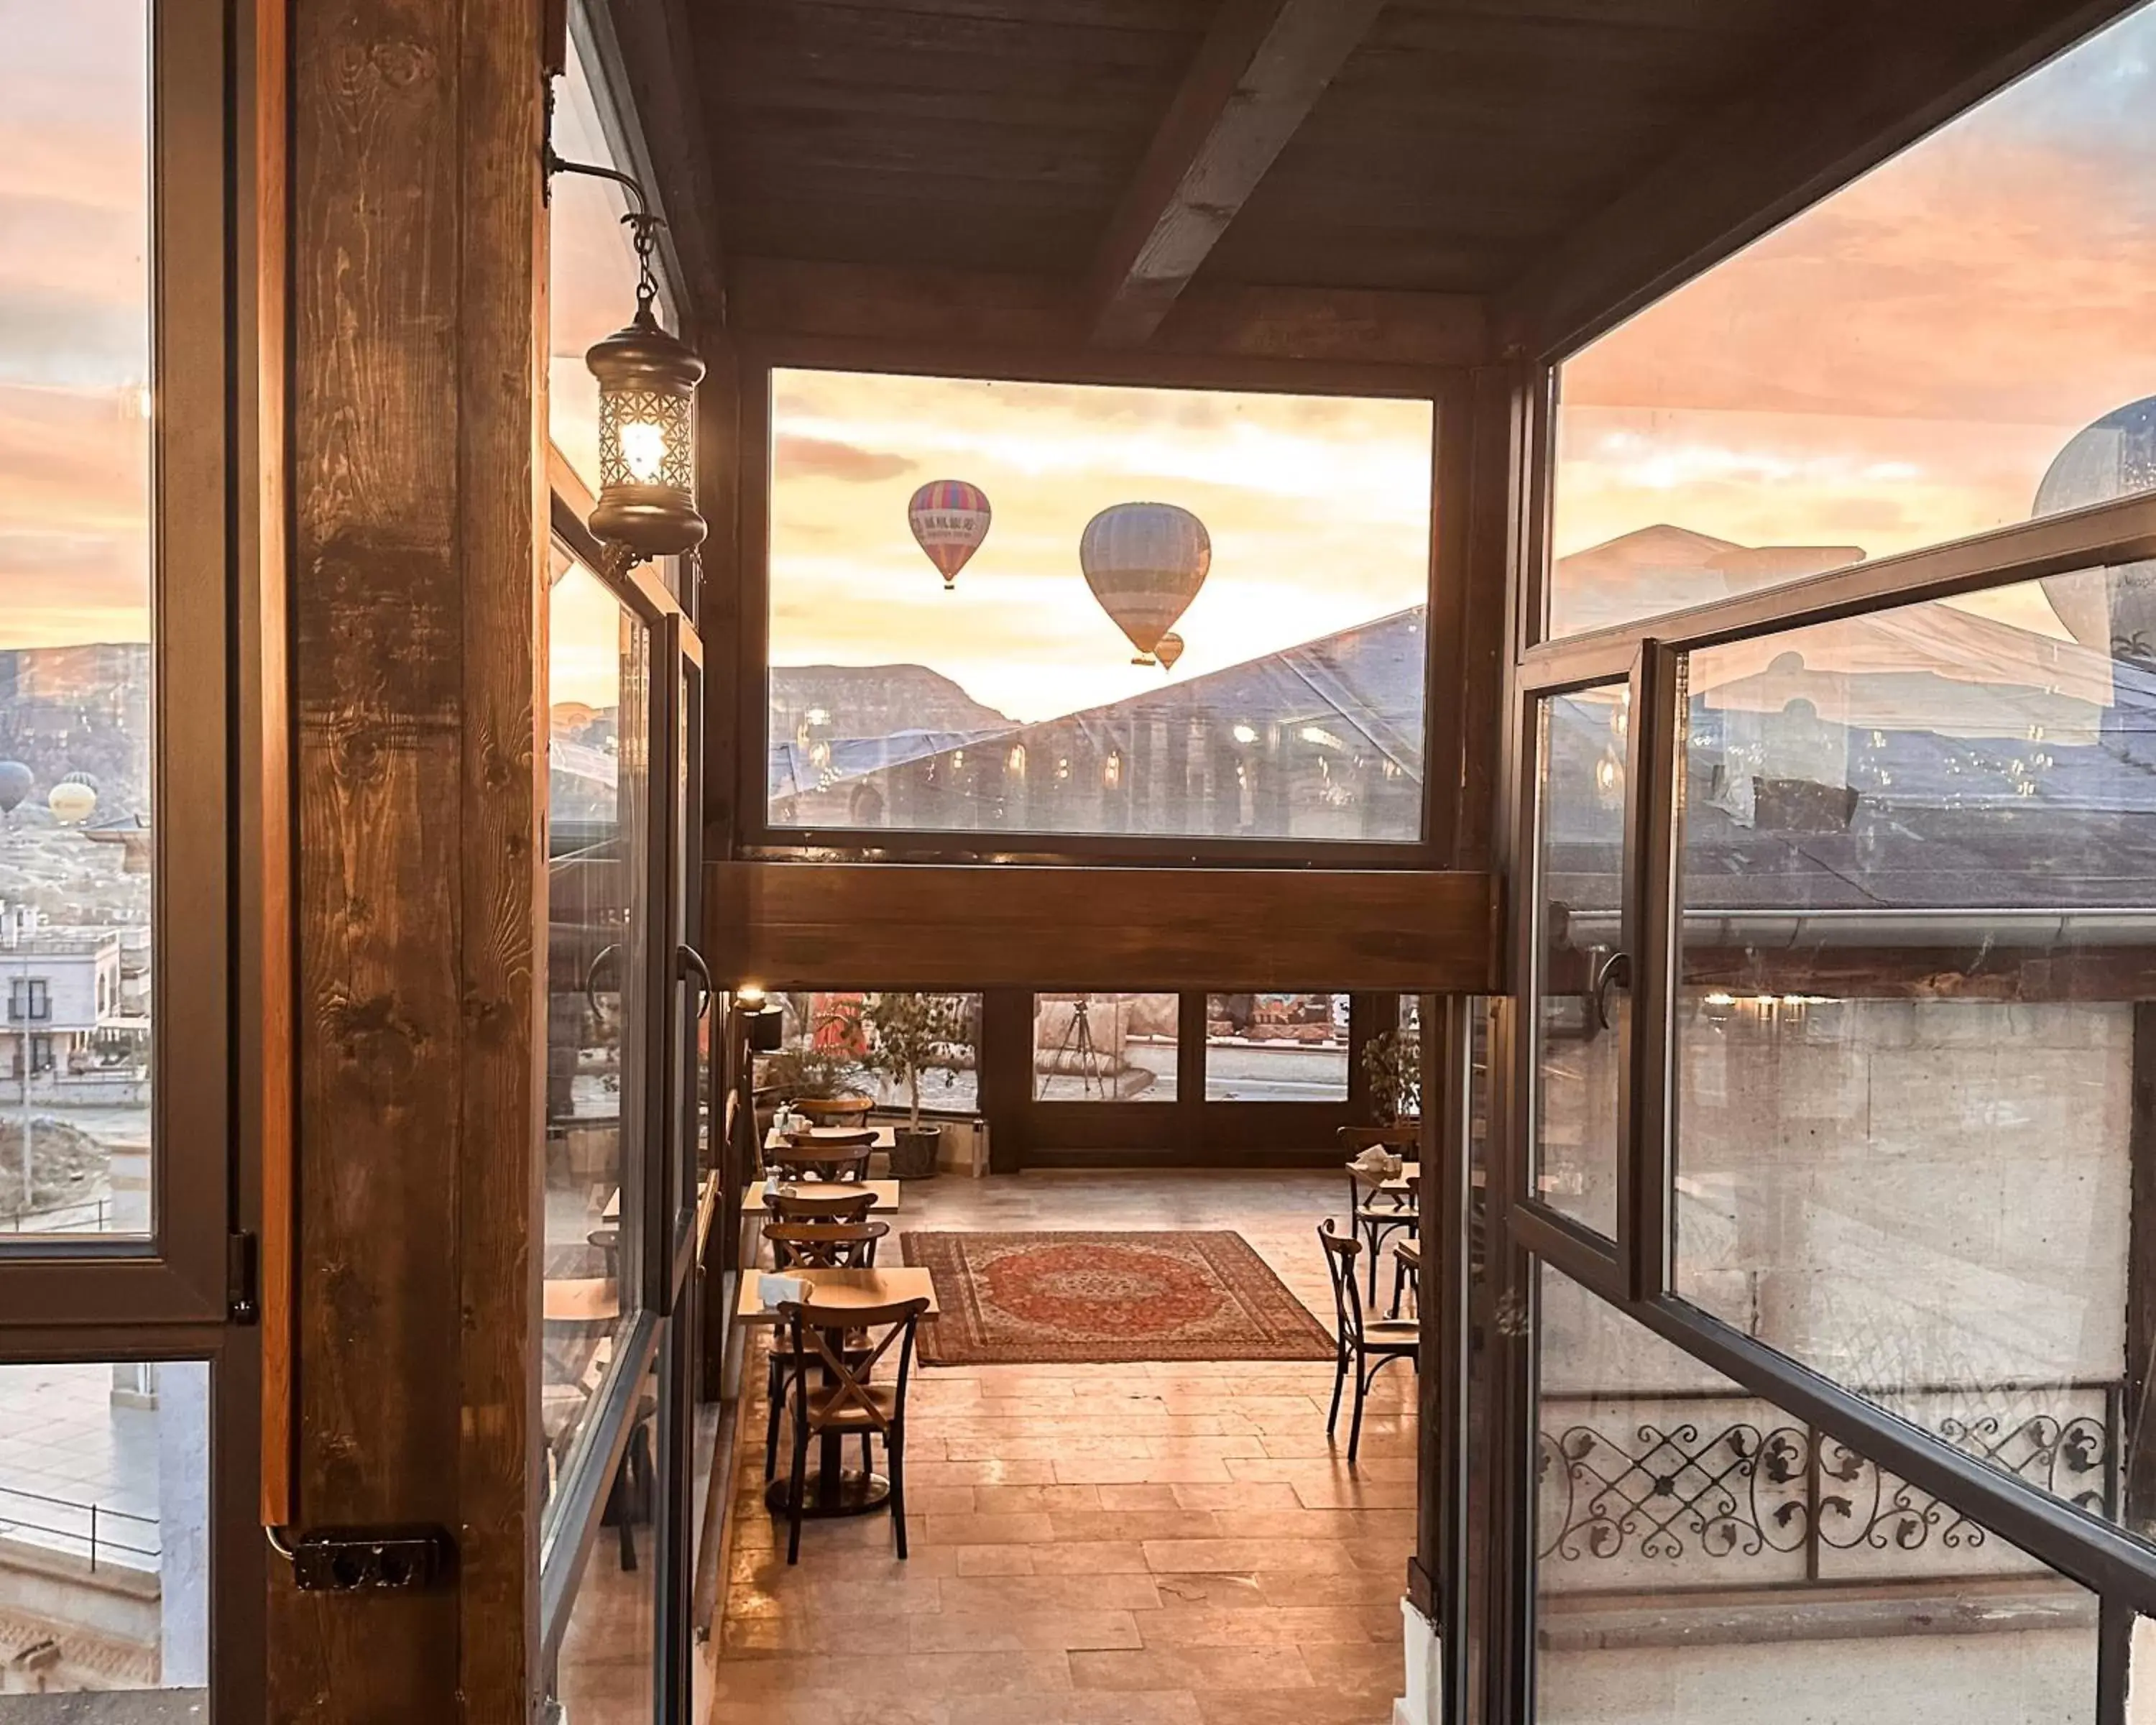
[
  {"x": 1705, "y": 1491},
  {"x": 115, "y": 1537}
]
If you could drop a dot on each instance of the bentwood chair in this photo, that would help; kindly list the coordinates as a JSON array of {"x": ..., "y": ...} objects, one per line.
[
  {"x": 1362, "y": 1348},
  {"x": 809, "y": 1245},
  {"x": 1372, "y": 1212},
  {"x": 825, "y": 1246},
  {"x": 829, "y": 1157},
  {"x": 845, "y": 1400},
  {"x": 807, "y": 1204}
]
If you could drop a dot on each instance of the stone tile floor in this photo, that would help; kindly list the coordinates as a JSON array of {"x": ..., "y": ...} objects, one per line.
[
  {"x": 66, "y": 1444},
  {"x": 1159, "y": 1544}
]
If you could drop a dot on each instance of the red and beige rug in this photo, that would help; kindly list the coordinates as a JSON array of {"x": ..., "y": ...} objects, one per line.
[{"x": 1100, "y": 1298}]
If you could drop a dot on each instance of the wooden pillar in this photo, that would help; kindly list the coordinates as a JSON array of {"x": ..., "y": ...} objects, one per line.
[{"x": 417, "y": 415}]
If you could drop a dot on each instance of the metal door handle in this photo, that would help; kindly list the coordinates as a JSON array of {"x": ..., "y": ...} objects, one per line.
[
  {"x": 693, "y": 960},
  {"x": 1615, "y": 971}
]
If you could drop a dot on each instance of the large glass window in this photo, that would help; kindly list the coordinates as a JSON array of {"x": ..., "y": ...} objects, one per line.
[
  {"x": 829, "y": 1046},
  {"x": 75, "y": 760},
  {"x": 1961, "y": 339},
  {"x": 1276, "y": 1048},
  {"x": 1703, "y": 1558},
  {"x": 105, "y": 1530},
  {"x": 1105, "y": 1048},
  {"x": 1919, "y": 887},
  {"x": 599, "y": 920},
  {"x": 1583, "y": 1010},
  {"x": 1283, "y": 540}
]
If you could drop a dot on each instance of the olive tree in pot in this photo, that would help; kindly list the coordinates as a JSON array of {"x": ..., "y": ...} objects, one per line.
[
  {"x": 910, "y": 1036},
  {"x": 1393, "y": 1063}
]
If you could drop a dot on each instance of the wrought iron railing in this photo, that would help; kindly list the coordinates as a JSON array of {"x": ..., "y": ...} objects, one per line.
[
  {"x": 1684, "y": 1490},
  {"x": 116, "y": 1536}
]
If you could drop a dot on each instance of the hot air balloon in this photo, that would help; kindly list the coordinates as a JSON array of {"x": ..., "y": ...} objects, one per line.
[
  {"x": 15, "y": 782},
  {"x": 1145, "y": 562},
  {"x": 1168, "y": 650},
  {"x": 71, "y": 803},
  {"x": 950, "y": 518}
]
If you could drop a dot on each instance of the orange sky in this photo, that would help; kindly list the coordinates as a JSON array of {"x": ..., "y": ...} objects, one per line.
[
  {"x": 1894, "y": 368},
  {"x": 1897, "y": 365}
]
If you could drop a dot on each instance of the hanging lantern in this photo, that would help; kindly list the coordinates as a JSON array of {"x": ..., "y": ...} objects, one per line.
[{"x": 647, "y": 438}]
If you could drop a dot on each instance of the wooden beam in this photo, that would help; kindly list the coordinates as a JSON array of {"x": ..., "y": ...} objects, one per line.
[
  {"x": 1886, "y": 77},
  {"x": 648, "y": 58},
  {"x": 1260, "y": 71},
  {"x": 932, "y": 926},
  {"x": 1006, "y": 315}
]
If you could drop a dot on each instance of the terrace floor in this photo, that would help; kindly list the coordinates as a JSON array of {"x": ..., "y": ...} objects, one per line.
[{"x": 1156, "y": 1545}]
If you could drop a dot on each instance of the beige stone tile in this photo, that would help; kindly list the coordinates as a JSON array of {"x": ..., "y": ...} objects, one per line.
[
  {"x": 1055, "y": 1631},
  {"x": 1018, "y": 1593},
  {"x": 1284, "y": 1556},
  {"x": 1197, "y": 1669}
]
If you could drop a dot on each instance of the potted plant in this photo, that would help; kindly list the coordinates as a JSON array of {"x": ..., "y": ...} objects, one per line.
[
  {"x": 1393, "y": 1063},
  {"x": 910, "y": 1036}
]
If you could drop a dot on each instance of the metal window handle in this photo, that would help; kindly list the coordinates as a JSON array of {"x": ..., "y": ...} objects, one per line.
[
  {"x": 1615, "y": 971},
  {"x": 693, "y": 961}
]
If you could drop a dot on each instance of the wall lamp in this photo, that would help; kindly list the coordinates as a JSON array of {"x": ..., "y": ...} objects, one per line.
[
  {"x": 648, "y": 379},
  {"x": 761, "y": 1018}
]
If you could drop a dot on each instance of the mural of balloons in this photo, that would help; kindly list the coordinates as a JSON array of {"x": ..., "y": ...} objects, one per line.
[
  {"x": 15, "y": 782},
  {"x": 1169, "y": 649},
  {"x": 949, "y": 519},
  {"x": 71, "y": 803},
  {"x": 1145, "y": 562}
]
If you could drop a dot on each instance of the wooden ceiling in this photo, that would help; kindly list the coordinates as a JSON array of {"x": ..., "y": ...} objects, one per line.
[{"x": 1112, "y": 155}]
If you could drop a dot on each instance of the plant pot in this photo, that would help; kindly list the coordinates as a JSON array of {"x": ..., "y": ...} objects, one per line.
[
  {"x": 913, "y": 1155},
  {"x": 834, "y": 1110}
]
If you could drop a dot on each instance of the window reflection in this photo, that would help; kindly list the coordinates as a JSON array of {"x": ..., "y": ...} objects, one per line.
[
  {"x": 1956, "y": 341},
  {"x": 598, "y": 930},
  {"x": 1703, "y": 1558},
  {"x": 1918, "y": 934}
]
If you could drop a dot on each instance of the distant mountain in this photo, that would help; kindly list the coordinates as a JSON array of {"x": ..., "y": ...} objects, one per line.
[
  {"x": 1665, "y": 568},
  {"x": 813, "y": 703}
]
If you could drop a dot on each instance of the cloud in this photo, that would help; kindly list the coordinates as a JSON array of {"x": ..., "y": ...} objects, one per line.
[{"x": 801, "y": 457}]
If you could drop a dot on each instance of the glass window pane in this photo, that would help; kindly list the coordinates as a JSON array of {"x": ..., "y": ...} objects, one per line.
[
  {"x": 105, "y": 1531},
  {"x": 606, "y": 1671},
  {"x": 1276, "y": 1048},
  {"x": 1703, "y": 1558},
  {"x": 1918, "y": 883},
  {"x": 828, "y": 1038},
  {"x": 1104, "y": 1048},
  {"x": 1960, "y": 340},
  {"x": 76, "y": 707},
  {"x": 1580, "y": 1030},
  {"x": 1021, "y": 700},
  {"x": 591, "y": 279},
  {"x": 598, "y": 910}
]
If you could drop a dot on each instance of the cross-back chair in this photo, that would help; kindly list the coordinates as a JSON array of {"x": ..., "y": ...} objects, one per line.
[
  {"x": 830, "y": 1157},
  {"x": 1362, "y": 1348},
  {"x": 806, "y": 1204},
  {"x": 1372, "y": 1212},
  {"x": 846, "y": 1400}
]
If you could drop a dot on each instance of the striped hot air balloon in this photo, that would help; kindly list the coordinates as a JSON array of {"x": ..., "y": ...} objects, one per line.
[
  {"x": 950, "y": 518},
  {"x": 1145, "y": 562},
  {"x": 1169, "y": 650}
]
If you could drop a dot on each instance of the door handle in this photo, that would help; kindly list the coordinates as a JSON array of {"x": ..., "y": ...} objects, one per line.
[
  {"x": 1615, "y": 971},
  {"x": 691, "y": 960}
]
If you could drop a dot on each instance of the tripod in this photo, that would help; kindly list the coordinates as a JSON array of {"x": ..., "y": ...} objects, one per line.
[{"x": 1077, "y": 1043}]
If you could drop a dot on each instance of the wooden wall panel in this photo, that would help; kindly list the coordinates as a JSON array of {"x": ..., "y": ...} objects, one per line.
[
  {"x": 416, "y": 406},
  {"x": 902, "y": 925}
]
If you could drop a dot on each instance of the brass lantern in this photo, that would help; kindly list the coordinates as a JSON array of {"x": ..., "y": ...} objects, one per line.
[{"x": 648, "y": 379}]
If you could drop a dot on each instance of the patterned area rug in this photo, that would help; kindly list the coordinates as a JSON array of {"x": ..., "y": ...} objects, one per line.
[{"x": 1087, "y": 1298}]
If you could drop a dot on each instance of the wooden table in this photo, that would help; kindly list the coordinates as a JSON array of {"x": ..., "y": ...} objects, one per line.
[
  {"x": 832, "y": 1488},
  {"x": 612, "y": 1213}
]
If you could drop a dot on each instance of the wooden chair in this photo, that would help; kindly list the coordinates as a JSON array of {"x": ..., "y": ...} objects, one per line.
[
  {"x": 825, "y": 1246},
  {"x": 829, "y": 1157},
  {"x": 846, "y": 1401},
  {"x": 812, "y": 1206},
  {"x": 1362, "y": 1348},
  {"x": 1373, "y": 1212},
  {"x": 809, "y": 1245}
]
